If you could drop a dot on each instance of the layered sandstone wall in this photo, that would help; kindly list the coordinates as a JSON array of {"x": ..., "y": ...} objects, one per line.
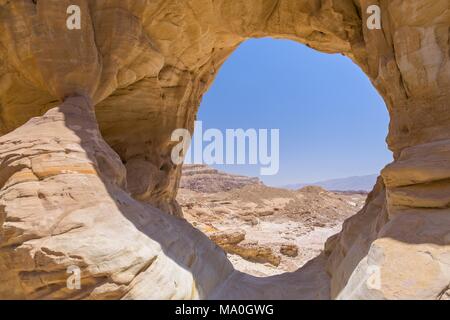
[{"x": 145, "y": 66}]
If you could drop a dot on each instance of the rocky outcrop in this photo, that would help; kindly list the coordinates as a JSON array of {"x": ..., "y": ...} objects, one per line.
[
  {"x": 73, "y": 193},
  {"x": 202, "y": 178},
  {"x": 289, "y": 250},
  {"x": 233, "y": 243},
  {"x": 63, "y": 204}
]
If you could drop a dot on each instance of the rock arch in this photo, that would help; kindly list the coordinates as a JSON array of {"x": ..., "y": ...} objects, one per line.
[{"x": 69, "y": 198}]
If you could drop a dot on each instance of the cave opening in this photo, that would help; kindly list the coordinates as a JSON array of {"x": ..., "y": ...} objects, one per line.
[
  {"x": 97, "y": 191},
  {"x": 331, "y": 125}
]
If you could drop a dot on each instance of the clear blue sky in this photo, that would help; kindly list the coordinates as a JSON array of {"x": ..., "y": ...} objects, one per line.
[{"x": 332, "y": 121}]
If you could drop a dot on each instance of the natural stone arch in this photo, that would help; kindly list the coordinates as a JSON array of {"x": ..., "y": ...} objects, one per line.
[{"x": 145, "y": 65}]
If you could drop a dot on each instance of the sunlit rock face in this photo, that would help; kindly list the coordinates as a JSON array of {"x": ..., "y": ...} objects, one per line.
[{"x": 97, "y": 191}]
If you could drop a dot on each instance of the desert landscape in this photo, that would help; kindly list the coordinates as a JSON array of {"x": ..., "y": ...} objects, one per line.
[
  {"x": 87, "y": 181},
  {"x": 265, "y": 231}
]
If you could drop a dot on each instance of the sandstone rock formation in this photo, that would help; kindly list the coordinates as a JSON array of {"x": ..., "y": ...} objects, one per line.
[
  {"x": 233, "y": 243},
  {"x": 75, "y": 194},
  {"x": 203, "y": 178}
]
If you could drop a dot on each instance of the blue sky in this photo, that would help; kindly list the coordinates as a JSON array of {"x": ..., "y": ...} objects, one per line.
[{"x": 332, "y": 121}]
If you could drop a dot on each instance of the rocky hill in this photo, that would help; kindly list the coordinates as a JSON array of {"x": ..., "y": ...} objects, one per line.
[
  {"x": 264, "y": 230},
  {"x": 202, "y": 178}
]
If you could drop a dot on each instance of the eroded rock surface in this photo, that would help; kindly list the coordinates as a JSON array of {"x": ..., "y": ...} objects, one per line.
[
  {"x": 202, "y": 178},
  {"x": 68, "y": 197},
  {"x": 63, "y": 204}
]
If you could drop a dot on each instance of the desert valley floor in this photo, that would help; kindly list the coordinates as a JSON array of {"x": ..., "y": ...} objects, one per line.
[{"x": 264, "y": 230}]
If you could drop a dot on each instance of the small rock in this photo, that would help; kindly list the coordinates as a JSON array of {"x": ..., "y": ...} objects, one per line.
[
  {"x": 289, "y": 250},
  {"x": 228, "y": 237}
]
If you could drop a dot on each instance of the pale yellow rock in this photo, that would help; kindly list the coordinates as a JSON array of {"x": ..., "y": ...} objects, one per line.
[{"x": 145, "y": 65}]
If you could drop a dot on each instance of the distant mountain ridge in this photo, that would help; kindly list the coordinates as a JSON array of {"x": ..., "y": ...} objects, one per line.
[{"x": 356, "y": 183}]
